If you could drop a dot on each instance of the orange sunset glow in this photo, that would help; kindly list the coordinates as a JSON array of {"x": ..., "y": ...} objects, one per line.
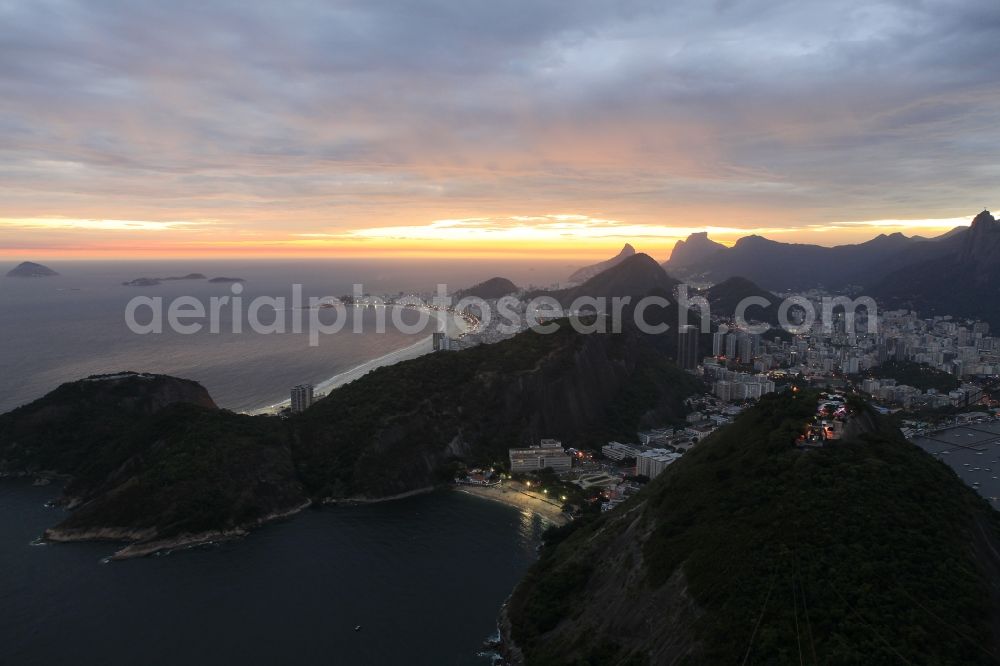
[
  {"x": 560, "y": 236},
  {"x": 557, "y": 136}
]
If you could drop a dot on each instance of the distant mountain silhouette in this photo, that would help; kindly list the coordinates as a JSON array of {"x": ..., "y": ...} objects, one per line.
[
  {"x": 779, "y": 266},
  {"x": 691, "y": 254},
  {"x": 635, "y": 276},
  {"x": 964, "y": 281},
  {"x": 587, "y": 272},
  {"x": 31, "y": 269},
  {"x": 727, "y": 295},
  {"x": 488, "y": 290}
]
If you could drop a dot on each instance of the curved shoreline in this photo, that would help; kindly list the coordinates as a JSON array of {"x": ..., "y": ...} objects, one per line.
[
  {"x": 518, "y": 500},
  {"x": 415, "y": 350},
  {"x": 143, "y": 543}
]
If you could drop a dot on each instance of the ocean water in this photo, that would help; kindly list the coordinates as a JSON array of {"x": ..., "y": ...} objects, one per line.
[
  {"x": 424, "y": 577},
  {"x": 54, "y": 330}
]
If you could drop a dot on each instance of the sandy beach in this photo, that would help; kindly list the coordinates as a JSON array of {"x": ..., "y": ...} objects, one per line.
[
  {"x": 546, "y": 509},
  {"x": 455, "y": 324}
]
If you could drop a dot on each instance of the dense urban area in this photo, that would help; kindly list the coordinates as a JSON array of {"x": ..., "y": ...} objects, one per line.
[{"x": 932, "y": 375}]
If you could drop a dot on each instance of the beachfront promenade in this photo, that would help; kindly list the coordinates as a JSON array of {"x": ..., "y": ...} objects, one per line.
[{"x": 521, "y": 499}]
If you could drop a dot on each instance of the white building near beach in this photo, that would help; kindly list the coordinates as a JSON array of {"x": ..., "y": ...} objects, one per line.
[
  {"x": 548, "y": 453},
  {"x": 302, "y": 398}
]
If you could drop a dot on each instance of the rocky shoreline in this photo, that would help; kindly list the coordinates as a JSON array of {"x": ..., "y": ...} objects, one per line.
[
  {"x": 509, "y": 650},
  {"x": 377, "y": 500},
  {"x": 143, "y": 542}
]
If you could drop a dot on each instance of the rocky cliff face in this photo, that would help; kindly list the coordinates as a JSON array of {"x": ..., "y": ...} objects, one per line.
[
  {"x": 964, "y": 282},
  {"x": 689, "y": 256},
  {"x": 981, "y": 249}
]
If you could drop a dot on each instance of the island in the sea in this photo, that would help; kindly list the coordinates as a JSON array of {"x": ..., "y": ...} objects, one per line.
[
  {"x": 152, "y": 282},
  {"x": 226, "y": 280},
  {"x": 30, "y": 269}
]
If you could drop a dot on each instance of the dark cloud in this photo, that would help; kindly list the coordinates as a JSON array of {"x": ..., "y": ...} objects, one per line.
[{"x": 814, "y": 111}]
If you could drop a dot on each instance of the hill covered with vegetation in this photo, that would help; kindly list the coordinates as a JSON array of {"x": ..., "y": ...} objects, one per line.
[
  {"x": 725, "y": 297},
  {"x": 917, "y": 375},
  {"x": 152, "y": 460},
  {"x": 749, "y": 550}
]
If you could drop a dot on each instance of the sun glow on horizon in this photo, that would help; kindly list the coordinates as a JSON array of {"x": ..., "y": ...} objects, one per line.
[{"x": 563, "y": 236}]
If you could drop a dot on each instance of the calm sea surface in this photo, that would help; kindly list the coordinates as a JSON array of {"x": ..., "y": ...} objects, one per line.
[
  {"x": 60, "y": 329},
  {"x": 424, "y": 577}
]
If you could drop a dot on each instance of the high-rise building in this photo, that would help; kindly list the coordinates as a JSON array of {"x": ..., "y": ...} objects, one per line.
[
  {"x": 718, "y": 342},
  {"x": 302, "y": 397},
  {"x": 732, "y": 341},
  {"x": 724, "y": 390},
  {"x": 652, "y": 463},
  {"x": 746, "y": 348},
  {"x": 687, "y": 347},
  {"x": 440, "y": 341}
]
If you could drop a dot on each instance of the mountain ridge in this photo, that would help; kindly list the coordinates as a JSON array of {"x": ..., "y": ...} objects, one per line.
[
  {"x": 587, "y": 272},
  {"x": 780, "y": 266},
  {"x": 963, "y": 281}
]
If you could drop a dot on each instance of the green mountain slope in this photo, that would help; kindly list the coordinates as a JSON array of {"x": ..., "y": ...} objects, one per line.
[
  {"x": 153, "y": 459},
  {"x": 748, "y": 550}
]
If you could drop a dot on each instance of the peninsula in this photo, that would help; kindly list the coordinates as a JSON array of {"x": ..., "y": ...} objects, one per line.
[{"x": 154, "y": 463}]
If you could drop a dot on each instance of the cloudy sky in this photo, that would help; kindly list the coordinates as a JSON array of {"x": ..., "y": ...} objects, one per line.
[{"x": 461, "y": 128}]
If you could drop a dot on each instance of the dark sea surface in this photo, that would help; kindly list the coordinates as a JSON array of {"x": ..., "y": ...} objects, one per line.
[
  {"x": 424, "y": 577},
  {"x": 60, "y": 329}
]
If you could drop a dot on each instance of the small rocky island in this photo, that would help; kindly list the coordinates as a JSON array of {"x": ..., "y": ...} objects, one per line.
[
  {"x": 226, "y": 280},
  {"x": 152, "y": 282},
  {"x": 30, "y": 269}
]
